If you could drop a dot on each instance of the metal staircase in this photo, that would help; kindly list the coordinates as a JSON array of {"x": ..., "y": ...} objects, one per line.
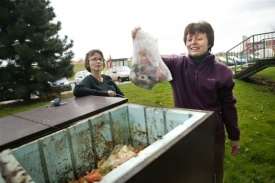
[
  {"x": 256, "y": 51},
  {"x": 253, "y": 68}
]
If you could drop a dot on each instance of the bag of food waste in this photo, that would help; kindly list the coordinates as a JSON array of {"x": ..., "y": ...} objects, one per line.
[{"x": 147, "y": 67}]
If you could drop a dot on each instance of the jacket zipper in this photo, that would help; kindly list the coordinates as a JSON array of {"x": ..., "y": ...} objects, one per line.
[{"x": 195, "y": 84}]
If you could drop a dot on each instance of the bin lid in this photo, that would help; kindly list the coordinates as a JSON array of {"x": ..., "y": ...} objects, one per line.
[{"x": 27, "y": 126}]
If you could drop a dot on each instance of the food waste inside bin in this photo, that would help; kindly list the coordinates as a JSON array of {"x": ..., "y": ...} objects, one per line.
[{"x": 160, "y": 132}]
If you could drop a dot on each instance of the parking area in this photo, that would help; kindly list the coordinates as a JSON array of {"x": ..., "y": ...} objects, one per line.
[{"x": 71, "y": 83}]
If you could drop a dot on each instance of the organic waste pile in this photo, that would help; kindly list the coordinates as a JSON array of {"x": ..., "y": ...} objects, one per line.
[{"x": 119, "y": 155}]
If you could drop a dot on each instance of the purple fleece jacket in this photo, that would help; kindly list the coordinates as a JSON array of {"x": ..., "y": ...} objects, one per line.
[{"x": 206, "y": 87}]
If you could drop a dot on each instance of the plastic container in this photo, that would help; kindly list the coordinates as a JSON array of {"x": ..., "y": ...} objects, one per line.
[{"x": 178, "y": 146}]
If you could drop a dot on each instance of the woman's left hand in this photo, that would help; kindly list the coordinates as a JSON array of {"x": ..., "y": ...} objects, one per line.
[
  {"x": 111, "y": 93},
  {"x": 235, "y": 147}
]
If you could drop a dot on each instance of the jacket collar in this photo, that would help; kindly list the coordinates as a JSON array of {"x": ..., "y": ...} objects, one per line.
[{"x": 207, "y": 60}]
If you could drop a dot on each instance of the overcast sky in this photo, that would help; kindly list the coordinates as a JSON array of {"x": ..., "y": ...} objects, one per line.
[{"x": 107, "y": 24}]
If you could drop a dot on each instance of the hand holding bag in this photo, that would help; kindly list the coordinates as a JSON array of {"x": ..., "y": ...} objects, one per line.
[{"x": 147, "y": 68}]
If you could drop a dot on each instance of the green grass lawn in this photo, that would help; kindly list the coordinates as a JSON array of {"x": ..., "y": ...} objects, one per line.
[
  {"x": 256, "y": 161},
  {"x": 256, "y": 106}
]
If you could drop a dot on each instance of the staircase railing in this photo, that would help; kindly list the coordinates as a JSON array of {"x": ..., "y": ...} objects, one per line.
[{"x": 255, "y": 47}]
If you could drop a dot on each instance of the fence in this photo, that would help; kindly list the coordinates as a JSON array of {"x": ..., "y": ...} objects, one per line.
[{"x": 258, "y": 46}]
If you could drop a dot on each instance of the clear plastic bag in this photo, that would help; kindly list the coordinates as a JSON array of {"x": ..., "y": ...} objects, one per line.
[{"x": 147, "y": 67}]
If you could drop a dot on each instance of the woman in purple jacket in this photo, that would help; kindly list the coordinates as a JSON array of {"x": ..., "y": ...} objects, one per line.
[{"x": 200, "y": 82}]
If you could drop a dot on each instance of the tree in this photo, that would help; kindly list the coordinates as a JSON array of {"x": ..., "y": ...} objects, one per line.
[{"x": 30, "y": 43}]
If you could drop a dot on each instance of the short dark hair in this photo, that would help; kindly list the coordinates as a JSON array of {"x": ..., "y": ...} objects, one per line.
[
  {"x": 201, "y": 27},
  {"x": 90, "y": 53}
]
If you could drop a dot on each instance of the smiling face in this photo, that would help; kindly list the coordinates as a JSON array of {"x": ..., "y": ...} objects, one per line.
[
  {"x": 197, "y": 44},
  {"x": 198, "y": 38}
]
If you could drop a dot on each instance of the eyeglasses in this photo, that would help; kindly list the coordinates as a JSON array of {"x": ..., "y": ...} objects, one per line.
[{"x": 96, "y": 59}]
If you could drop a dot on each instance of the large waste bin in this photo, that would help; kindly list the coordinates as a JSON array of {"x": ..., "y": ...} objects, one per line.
[{"x": 178, "y": 146}]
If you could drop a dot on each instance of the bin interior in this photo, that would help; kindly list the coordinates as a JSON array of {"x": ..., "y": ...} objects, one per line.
[{"x": 67, "y": 154}]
